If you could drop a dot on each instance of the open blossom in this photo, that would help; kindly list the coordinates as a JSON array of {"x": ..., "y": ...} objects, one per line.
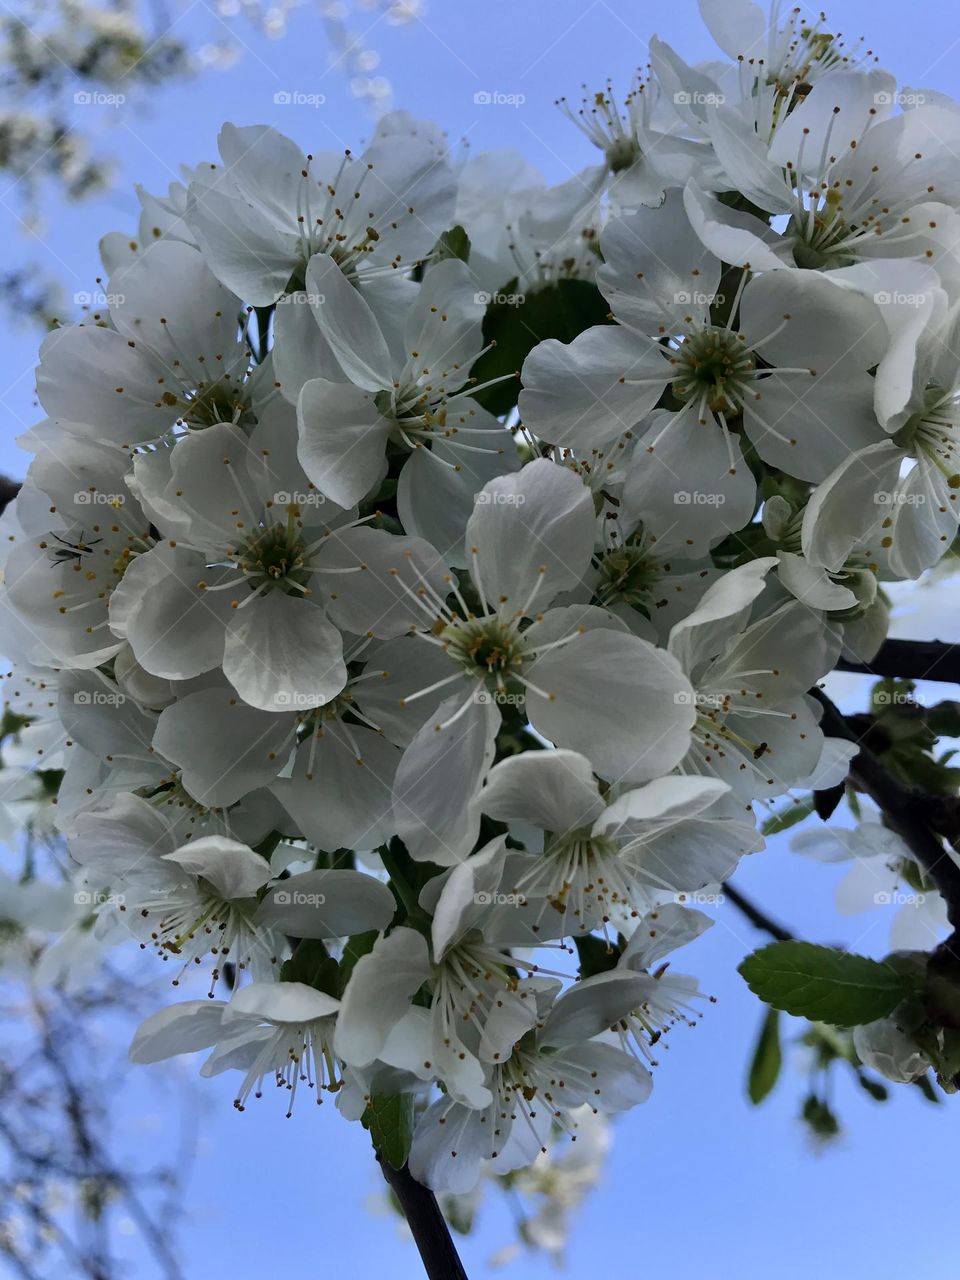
[{"x": 424, "y": 572}]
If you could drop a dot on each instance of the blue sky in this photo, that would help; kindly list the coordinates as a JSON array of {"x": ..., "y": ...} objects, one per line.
[{"x": 699, "y": 1183}]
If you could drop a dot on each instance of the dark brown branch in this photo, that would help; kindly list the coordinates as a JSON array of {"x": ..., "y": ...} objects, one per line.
[
  {"x": 911, "y": 660},
  {"x": 8, "y": 491},
  {"x": 920, "y": 820},
  {"x": 430, "y": 1231},
  {"x": 753, "y": 913}
]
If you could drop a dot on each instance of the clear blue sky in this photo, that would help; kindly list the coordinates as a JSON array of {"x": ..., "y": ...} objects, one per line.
[{"x": 699, "y": 1184}]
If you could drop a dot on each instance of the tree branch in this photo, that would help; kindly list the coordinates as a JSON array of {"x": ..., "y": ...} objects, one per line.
[
  {"x": 911, "y": 660},
  {"x": 917, "y": 818},
  {"x": 755, "y": 915},
  {"x": 430, "y": 1231}
]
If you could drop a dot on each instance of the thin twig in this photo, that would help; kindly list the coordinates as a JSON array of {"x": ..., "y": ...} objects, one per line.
[{"x": 755, "y": 915}]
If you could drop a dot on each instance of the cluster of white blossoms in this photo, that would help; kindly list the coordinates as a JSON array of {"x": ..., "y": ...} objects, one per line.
[{"x": 414, "y": 721}]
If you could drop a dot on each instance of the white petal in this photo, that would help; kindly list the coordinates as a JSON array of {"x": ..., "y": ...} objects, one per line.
[
  {"x": 327, "y": 904},
  {"x": 349, "y": 325},
  {"x": 439, "y": 776},
  {"x": 379, "y": 992},
  {"x": 282, "y": 653},
  {"x": 343, "y": 440},
  {"x": 233, "y": 869},
  {"x": 555, "y": 790},
  {"x": 224, "y": 748},
  {"x": 383, "y": 594},
  {"x": 346, "y": 801},
  {"x": 623, "y": 703},
  {"x": 180, "y": 1028},
  {"x": 579, "y": 395},
  {"x": 533, "y": 534}
]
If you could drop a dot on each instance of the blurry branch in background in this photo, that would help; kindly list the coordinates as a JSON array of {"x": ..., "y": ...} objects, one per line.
[
  {"x": 88, "y": 1175},
  {"x": 70, "y": 1192},
  {"x": 66, "y": 67}
]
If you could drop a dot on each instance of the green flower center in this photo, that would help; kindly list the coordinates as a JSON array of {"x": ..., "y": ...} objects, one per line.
[{"x": 714, "y": 365}]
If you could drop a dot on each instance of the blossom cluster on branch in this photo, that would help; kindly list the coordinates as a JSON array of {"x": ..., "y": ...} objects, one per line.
[{"x": 422, "y": 572}]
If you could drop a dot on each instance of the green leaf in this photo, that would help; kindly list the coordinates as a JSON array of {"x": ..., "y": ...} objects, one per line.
[
  {"x": 818, "y": 1115},
  {"x": 356, "y": 948},
  {"x": 823, "y": 984},
  {"x": 767, "y": 1059},
  {"x": 517, "y": 322},
  {"x": 311, "y": 965},
  {"x": 596, "y": 955},
  {"x": 454, "y": 243},
  {"x": 879, "y": 1092},
  {"x": 927, "y": 1089},
  {"x": 389, "y": 1121},
  {"x": 787, "y": 818}
]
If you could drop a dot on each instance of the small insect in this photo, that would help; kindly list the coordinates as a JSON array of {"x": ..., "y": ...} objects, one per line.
[
  {"x": 761, "y": 751},
  {"x": 68, "y": 551}
]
